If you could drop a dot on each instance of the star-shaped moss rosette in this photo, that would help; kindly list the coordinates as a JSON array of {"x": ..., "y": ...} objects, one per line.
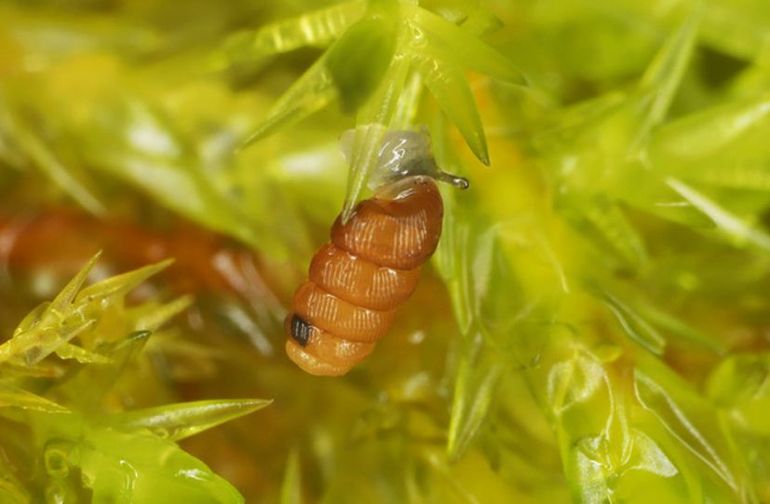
[
  {"x": 379, "y": 52},
  {"x": 55, "y": 374}
]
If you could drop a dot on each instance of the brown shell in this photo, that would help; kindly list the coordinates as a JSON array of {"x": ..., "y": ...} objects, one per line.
[
  {"x": 398, "y": 233},
  {"x": 330, "y": 313},
  {"x": 331, "y": 349},
  {"x": 357, "y": 281},
  {"x": 361, "y": 282}
]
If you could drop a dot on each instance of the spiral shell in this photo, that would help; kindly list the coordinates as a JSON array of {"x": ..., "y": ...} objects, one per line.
[
  {"x": 357, "y": 281},
  {"x": 373, "y": 262}
]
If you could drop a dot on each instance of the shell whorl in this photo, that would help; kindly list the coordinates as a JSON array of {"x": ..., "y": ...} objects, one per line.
[{"x": 357, "y": 281}]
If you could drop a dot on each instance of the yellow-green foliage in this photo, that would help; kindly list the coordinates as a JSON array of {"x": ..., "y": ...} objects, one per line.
[
  {"x": 607, "y": 274},
  {"x": 63, "y": 444}
]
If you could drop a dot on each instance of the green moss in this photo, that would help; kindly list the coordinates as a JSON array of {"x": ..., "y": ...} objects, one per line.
[
  {"x": 73, "y": 447},
  {"x": 606, "y": 275}
]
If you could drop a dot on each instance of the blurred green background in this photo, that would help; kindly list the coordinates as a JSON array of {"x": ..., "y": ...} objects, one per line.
[{"x": 606, "y": 275}]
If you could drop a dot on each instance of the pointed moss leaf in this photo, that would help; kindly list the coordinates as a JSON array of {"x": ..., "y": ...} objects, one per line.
[
  {"x": 733, "y": 227},
  {"x": 690, "y": 424},
  {"x": 463, "y": 48},
  {"x": 635, "y": 326},
  {"x": 358, "y": 61},
  {"x": 450, "y": 88},
  {"x": 62, "y": 176},
  {"x": 131, "y": 343},
  {"x": 367, "y": 141},
  {"x": 141, "y": 467},
  {"x": 454, "y": 255},
  {"x": 12, "y": 396},
  {"x": 32, "y": 318},
  {"x": 49, "y": 326},
  {"x": 665, "y": 72},
  {"x": 474, "y": 391},
  {"x": 702, "y": 134},
  {"x": 373, "y": 119},
  {"x": 454, "y": 266},
  {"x": 680, "y": 329},
  {"x": 408, "y": 103},
  {"x": 151, "y": 316},
  {"x": 39, "y": 152},
  {"x": 179, "y": 421},
  {"x": 310, "y": 93},
  {"x": 662, "y": 79},
  {"x": 470, "y": 261},
  {"x": 315, "y": 28},
  {"x": 119, "y": 285},
  {"x": 483, "y": 270},
  {"x": 291, "y": 486},
  {"x": 67, "y": 295},
  {"x": 87, "y": 388},
  {"x": 32, "y": 346},
  {"x": 490, "y": 273},
  {"x": 383, "y": 105},
  {"x": 80, "y": 354}
]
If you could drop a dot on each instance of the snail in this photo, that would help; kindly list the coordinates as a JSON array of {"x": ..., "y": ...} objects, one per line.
[{"x": 372, "y": 264}]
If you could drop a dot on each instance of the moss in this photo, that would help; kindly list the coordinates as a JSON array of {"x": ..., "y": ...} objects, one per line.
[{"x": 605, "y": 275}]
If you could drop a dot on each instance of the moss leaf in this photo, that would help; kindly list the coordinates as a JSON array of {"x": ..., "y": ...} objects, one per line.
[
  {"x": 308, "y": 94},
  {"x": 474, "y": 390},
  {"x": 358, "y": 61},
  {"x": 737, "y": 230},
  {"x": 179, "y": 421},
  {"x": 465, "y": 49},
  {"x": 13, "y": 396},
  {"x": 316, "y": 28},
  {"x": 120, "y": 467},
  {"x": 662, "y": 79},
  {"x": 291, "y": 486},
  {"x": 450, "y": 88}
]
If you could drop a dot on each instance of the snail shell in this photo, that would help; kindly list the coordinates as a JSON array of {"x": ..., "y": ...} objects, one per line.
[{"x": 357, "y": 281}]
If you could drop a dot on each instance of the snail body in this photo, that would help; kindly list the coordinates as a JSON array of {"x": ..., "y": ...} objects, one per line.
[{"x": 371, "y": 266}]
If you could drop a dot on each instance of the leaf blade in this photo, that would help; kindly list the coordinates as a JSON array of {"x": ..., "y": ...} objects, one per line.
[{"x": 182, "y": 420}]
